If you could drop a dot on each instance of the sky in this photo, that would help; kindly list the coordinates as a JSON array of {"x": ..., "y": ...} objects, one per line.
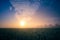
[{"x": 33, "y": 12}]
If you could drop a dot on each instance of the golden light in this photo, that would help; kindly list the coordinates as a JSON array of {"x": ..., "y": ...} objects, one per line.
[{"x": 22, "y": 23}]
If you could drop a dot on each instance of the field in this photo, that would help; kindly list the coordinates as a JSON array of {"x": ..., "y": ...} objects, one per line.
[{"x": 30, "y": 34}]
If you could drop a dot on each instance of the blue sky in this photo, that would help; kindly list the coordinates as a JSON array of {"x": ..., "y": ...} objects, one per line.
[{"x": 50, "y": 8}]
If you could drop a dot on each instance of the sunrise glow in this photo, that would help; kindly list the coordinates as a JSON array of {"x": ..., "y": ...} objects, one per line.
[
  {"x": 22, "y": 23},
  {"x": 28, "y": 14}
]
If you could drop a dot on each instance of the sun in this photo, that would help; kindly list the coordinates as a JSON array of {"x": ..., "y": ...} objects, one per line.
[{"x": 22, "y": 23}]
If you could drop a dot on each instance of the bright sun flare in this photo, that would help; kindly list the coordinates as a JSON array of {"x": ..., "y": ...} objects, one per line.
[{"x": 22, "y": 23}]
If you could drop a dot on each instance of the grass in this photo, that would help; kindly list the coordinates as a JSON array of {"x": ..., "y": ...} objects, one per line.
[{"x": 30, "y": 34}]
